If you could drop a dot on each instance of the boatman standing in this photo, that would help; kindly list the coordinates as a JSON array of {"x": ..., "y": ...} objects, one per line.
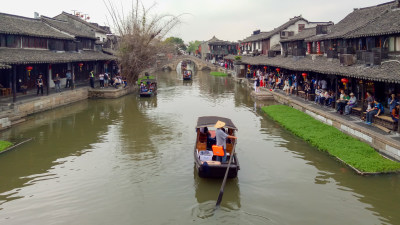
[
  {"x": 221, "y": 137},
  {"x": 91, "y": 77}
]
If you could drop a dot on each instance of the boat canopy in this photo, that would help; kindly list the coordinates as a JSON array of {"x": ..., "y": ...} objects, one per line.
[
  {"x": 148, "y": 80},
  {"x": 209, "y": 121}
]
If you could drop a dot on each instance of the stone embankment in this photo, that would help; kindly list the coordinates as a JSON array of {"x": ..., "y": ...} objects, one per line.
[{"x": 18, "y": 111}]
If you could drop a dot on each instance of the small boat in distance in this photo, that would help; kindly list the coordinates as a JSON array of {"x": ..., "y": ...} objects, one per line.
[
  {"x": 187, "y": 74},
  {"x": 204, "y": 159},
  {"x": 148, "y": 87}
]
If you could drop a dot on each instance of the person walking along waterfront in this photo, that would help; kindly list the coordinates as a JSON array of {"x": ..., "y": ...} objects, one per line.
[
  {"x": 39, "y": 84},
  {"x": 69, "y": 79},
  {"x": 57, "y": 82},
  {"x": 91, "y": 77}
]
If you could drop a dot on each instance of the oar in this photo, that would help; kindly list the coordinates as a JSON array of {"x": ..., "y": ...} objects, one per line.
[{"x": 221, "y": 191}]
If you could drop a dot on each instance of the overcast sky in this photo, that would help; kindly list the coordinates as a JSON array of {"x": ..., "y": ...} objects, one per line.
[{"x": 226, "y": 19}]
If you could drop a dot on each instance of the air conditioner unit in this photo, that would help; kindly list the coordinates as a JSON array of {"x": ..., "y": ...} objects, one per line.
[{"x": 346, "y": 59}]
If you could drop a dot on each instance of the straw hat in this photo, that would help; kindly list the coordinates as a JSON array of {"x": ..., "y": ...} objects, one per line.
[
  {"x": 352, "y": 93},
  {"x": 219, "y": 124}
]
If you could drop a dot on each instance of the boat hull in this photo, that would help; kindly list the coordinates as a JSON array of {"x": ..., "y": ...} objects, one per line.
[{"x": 216, "y": 171}]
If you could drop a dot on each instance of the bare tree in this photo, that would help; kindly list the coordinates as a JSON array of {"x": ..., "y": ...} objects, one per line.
[{"x": 141, "y": 32}]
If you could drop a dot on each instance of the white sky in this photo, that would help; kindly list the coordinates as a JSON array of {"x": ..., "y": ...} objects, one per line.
[{"x": 226, "y": 19}]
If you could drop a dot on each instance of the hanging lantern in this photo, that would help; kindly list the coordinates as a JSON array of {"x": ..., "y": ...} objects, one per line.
[
  {"x": 80, "y": 66},
  {"x": 345, "y": 81},
  {"x": 265, "y": 69},
  {"x": 88, "y": 18},
  {"x": 81, "y": 16},
  {"x": 277, "y": 70},
  {"x": 248, "y": 66},
  {"x": 304, "y": 75},
  {"x": 29, "y": 69}
]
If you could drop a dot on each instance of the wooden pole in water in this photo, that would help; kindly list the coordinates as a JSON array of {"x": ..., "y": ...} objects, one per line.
[{"x": 221, "y": 191}]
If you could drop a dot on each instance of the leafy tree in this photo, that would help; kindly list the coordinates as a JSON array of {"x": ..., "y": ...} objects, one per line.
[
  {"x": 193, "y": 46},
  {"x": 177, "y": 42}
]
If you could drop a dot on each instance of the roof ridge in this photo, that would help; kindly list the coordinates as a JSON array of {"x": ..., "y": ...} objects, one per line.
[
  {"x": 372, "y": 6},
  {"x": 21, "y": 17},
  {"x": 82, "y": 21}
]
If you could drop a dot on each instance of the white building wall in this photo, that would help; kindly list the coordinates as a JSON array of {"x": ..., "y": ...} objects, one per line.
[{"x": 101, "y": 36}]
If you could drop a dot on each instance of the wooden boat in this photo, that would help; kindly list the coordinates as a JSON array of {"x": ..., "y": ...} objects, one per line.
[
  {"x": 205, "y": 165},
  {"x": 150, "y": 88},
  {"x": 187, "y": 74}
]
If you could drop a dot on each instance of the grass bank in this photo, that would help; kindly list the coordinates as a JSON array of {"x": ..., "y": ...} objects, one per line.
[
  {"x": 4, "y": 145},
  {"x": 327, "y": 138},
  {"x": 219, "y": 74}
]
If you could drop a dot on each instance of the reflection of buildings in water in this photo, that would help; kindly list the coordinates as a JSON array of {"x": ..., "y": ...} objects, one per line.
[{"x": 208, "y": 190}]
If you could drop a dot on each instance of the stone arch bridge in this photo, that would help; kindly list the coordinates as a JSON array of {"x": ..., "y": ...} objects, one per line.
[{"x": 200, "y": 64}]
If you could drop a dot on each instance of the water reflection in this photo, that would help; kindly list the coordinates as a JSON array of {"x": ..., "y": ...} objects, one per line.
[{"x": 208, "y": 190}]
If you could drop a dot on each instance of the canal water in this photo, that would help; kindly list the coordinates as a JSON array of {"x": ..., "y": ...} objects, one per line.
[{"x": 130, "y": 161}]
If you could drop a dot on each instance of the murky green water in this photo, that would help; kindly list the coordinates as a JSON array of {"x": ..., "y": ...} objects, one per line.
[{"x": 130, "y": 161}]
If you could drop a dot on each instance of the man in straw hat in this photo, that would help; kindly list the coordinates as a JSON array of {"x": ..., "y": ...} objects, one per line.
[
  {"x": 221, "y": 137},
  {"x": 350, "y": 104}
]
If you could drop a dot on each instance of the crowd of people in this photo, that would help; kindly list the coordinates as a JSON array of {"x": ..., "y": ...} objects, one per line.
[{"x": 318, "y": 89}]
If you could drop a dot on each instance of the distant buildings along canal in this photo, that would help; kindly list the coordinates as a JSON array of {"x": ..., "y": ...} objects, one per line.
[
  {"x": 358, "y": 54},
  {"x": 29, "y": 46}
]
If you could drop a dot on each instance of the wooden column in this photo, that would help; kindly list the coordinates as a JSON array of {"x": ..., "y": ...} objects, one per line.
[
  {"x": 362, "y": 96},
  {"x": 336, "y": 92},
  {"x": 48, "y": 78},
  {"x": 14, "y": 83}
]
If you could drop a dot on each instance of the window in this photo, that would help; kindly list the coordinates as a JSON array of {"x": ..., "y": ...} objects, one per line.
[
  {"x": 2, "y": 40},
  {"x": 11, "y": 41},
  {"x": 394, "y": 44},
  {"x": 33, "y": 42},
  {"x": 301, "y": 27}
]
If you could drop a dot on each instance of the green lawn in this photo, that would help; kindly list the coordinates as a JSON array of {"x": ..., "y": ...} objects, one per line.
[
  {"x": 142, "y": 78},
  {"x": 327, "y": 138},
  {"x": 4, "y": 145},
  {"x": 219, "y": 74}
]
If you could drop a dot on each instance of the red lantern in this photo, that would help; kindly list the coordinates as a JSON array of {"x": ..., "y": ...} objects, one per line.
[
  {"x": 248, "y": 66},
  {"x": 29, "y": 68},
  {"x": 277, "y": 70},
  {"x": 88, "y": 18},
  {"x": 345, "y": 81},
  {"x": 80, "y": 66},
  {"x": 81, "y": 16},
  {"x": 304, "y": 75}
]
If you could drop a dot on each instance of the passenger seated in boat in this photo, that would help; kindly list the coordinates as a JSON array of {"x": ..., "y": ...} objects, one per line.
[
  {"x": 210, "y": 140},
  {"x": 143, "y": 87}
]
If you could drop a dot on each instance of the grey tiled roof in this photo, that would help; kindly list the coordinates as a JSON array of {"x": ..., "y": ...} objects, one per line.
[
  {"x": 266, "y": 35},
  {"x": 276, "y": 48},
  {"x": 96, "y": 28},
  {"x": 389, "y": 71},
  {"x": 305, "y": 33},
  {"x": 354, "y": 21},
  {"x": 386, "y": 23},
  {"x": 68, "y": 28},
  {"x": 26, "y": 56},
  {"x": 11, "y": 24},
  {"x": 4, "y": 66}
]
